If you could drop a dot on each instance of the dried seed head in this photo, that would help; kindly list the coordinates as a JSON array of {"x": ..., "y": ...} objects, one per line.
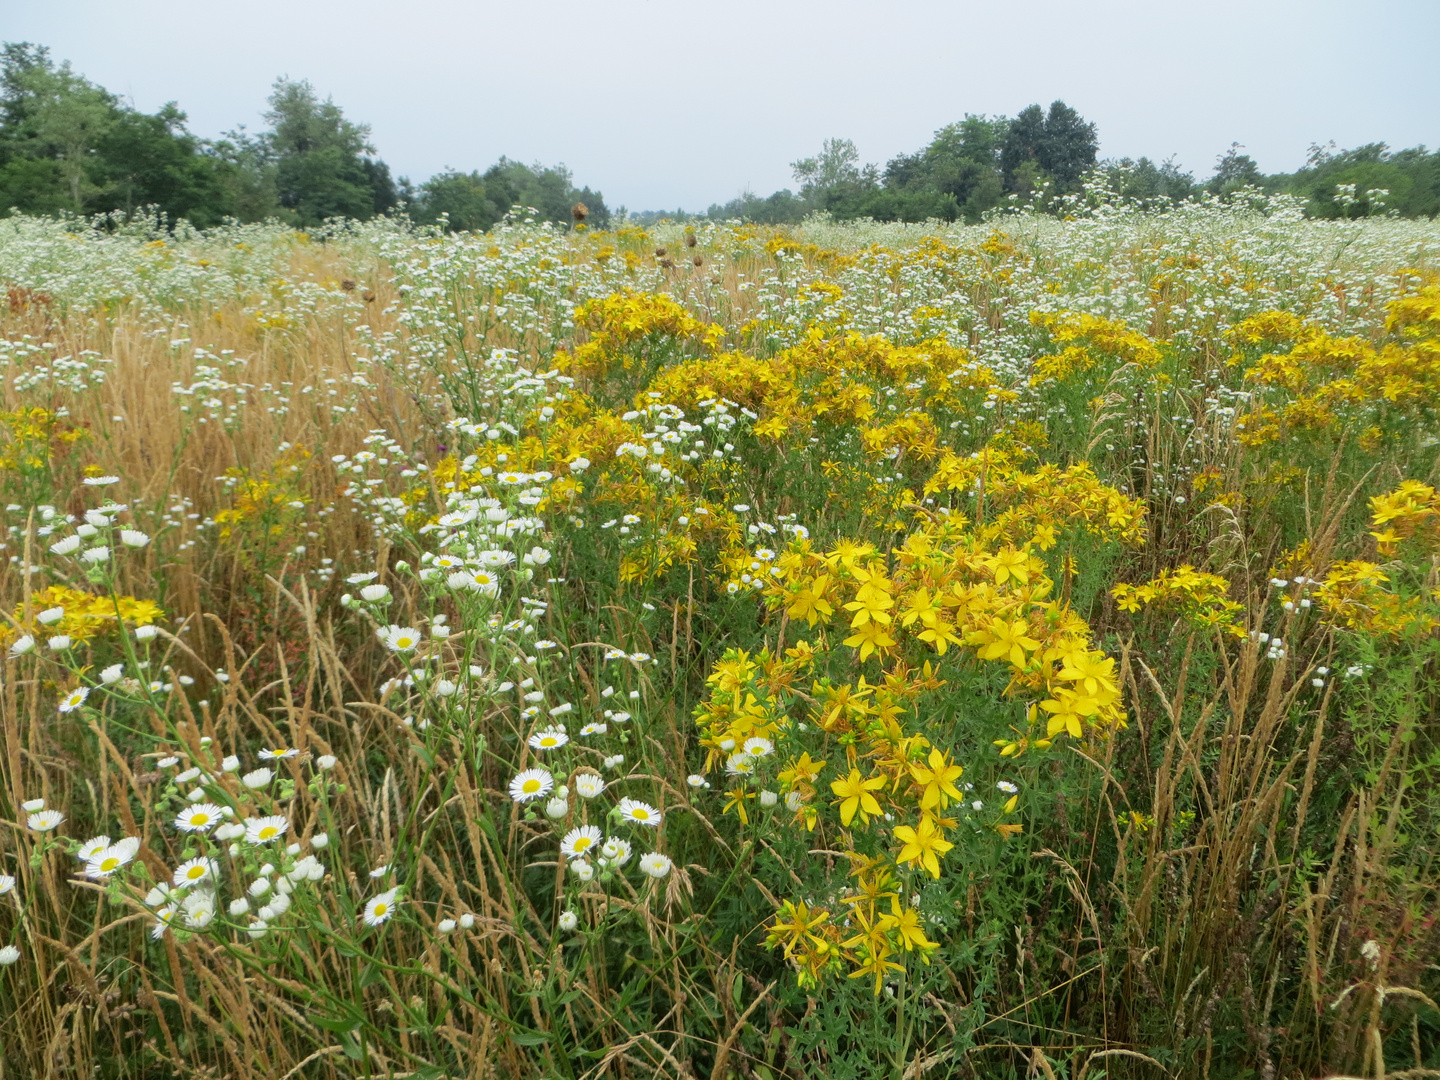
[
  {"x": 660, "y": 253},
  {"x": 579, "y": 211},
  {"x": 690, "y": 240},
  {"x": 348, "y": 284}
]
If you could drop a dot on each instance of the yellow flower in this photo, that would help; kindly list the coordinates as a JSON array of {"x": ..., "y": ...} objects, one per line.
[
  {"x": 869, "y": 638},
  {"x": 937, "y": 783},
  {"x": 1005, "y": 639},
  {"x": 1010, "y": 563},
  {"x": 855, "y": 796},
  {"x": 905, "y": 922},
  {"x": 924, "y": 845}
]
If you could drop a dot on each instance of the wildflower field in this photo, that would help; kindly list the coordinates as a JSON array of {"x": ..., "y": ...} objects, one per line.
[{"x": 845, "y": 651}]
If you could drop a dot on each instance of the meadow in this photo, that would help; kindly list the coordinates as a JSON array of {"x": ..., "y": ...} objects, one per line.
[{"x": 845, "y": 650}]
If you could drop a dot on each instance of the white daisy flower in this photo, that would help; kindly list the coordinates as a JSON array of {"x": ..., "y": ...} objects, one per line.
[
  {"x": 7, "y": 882},
  {"x": 655, "y": 865},
  {"x": 92, "y": 847},
  {"x": 195, "y": 871},
  {"x": 279, "y": 753},
  {"x": 531, "y": 784},
  {"x": 264, "y": 830},
  {"x": 380, "y": 908},
  {"x": 400, "y": 638},
  {"x": 110, "y": 860},
  {"x": 67, "y": 546},
  {"x": 8, "y": 955},
  {"x": 199, "y": 818},
  {"x": 375, "y": 594},
  {"x": 22, "y": 645},
  {"x": 549, "y": 740},
  {"x": 568, "y": 921},
  {"x": 615, "y": 852},
  {"x": 1007, "y": 787},
  {"x": 100, "y": 481},
  {"x": 639, "y": 813},
  {"x": 757, "y": 747},
  {"x": 578, "y": 842},
  {"x": 257, "y": 779},
  {"x": 163, "y": 917},
  {"x": 588, "y": 785},
  {"x": 73, "y": 700},
  {"x": 133, "y": 538},
  {"x": 45, "y": 820}
]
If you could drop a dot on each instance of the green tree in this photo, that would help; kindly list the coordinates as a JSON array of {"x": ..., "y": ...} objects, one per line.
[
  {"x": 1059, "y": 146},
  {"x": 323, "y": 163},
  {"x": 54, "y": 115}
]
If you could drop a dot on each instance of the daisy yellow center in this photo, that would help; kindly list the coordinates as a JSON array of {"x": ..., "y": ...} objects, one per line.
[
  {"x": 582, "y": 843},
  {"x": 199, "y": 819},
  {"x": 404, "y": 641},
  {"x": 110, "y": 864},
  {"x": 269, "y": 832},
  {"x": 195, "y": 873},
  {"x": 640, "y": 815},
  {"x": 380, "y": 909},
  {"x": 531, "y": 786},
  {"x": 547, "y": 741}
]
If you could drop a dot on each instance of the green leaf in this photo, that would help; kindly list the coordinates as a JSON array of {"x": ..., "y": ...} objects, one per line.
[{"x": 526, "y": 1037}]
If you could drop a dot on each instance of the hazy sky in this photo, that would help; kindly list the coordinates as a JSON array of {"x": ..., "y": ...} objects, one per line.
[{"x": 664, "y": 103}]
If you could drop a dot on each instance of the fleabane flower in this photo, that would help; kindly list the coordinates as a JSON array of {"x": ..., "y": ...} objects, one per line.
[
  {"x": 588, "y": 785},
  {"x": 73, "y": 700},
  {"x": 380, "y": 908},
  {"x": 133, "y": 538},
  {"x": 9, "y": 954},
  {"x": 22, "y": 645},
  {"x": 92, "y": 847},
  {"x": 639, "y": 813},
  {"x": 375, "y": 594},
  {"x": 67, "y": 546},
  {"x": 257, "y": 778},
  {"x": 615, "y": 852},
  {"x": 757, "y": 747},
  {"x": 549, "y": 740},
  {"x": 578, "y": 842},
  {"x": 655, "y": 865},
  {"x": 477, "y": 580},
  {"x": 401, "y": 638},
  {"x": 45, "y": 820},
  {"x": 266, "y": 829},
  {"x": 531, "y": 784},
  {"x": 199, "y": 818},
  {"x": 104, "y": 863},
  {"x": 196, "y": 871}
]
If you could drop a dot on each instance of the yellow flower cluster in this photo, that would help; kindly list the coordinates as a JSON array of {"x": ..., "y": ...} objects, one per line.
[
  {"x": 34, "y": 435},
  {"x": 621, "y": 320},
  {"x": 1097, "y": 338},
  {"x": 1202, "y": 599},
  {"x": 1324, "y": 383},
  {"x": 265, "y": 501},
  {"x": 86, "y": 615},
  {"x": 1411, "y": 511}
]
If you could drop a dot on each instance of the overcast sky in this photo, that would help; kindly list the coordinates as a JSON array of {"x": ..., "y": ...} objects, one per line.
[{"x": 665, "y": 103}]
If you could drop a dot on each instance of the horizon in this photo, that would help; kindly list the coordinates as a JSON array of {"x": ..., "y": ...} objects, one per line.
[{"x": 1343, "y": 75}]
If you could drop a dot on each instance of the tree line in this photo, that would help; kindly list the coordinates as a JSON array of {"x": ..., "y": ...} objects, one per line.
[
  {"x": 1039, "y": 156},
  {"x": 68, "y": 145}
]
